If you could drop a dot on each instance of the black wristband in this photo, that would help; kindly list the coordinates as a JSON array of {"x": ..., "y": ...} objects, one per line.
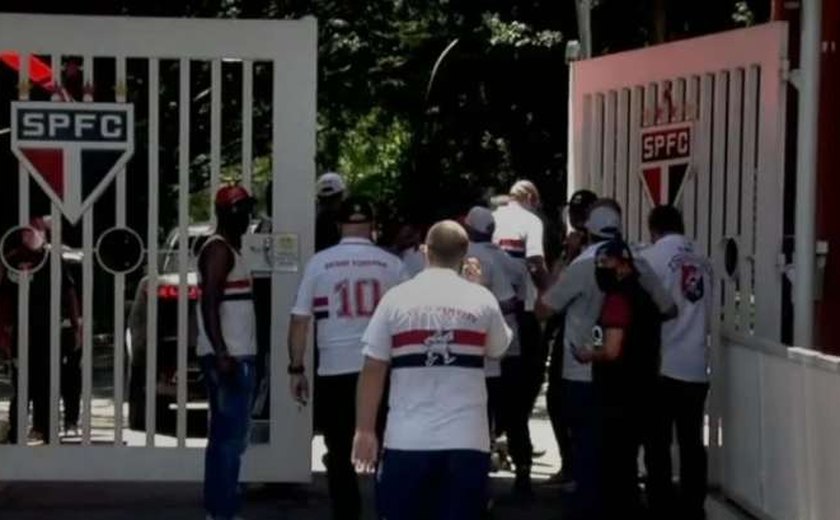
[{"x": 296, "y": 370}]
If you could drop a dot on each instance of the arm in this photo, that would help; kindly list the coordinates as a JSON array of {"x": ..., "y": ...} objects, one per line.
[
  {"x": 613, "y": 346},
  {"x": 215, "y": 264},
  {"x": 298, "y": 338},
  {"x": 377, "y": 350},
  {"x": 651, "y": 283},
  {"x": 564, "y": 291},
  {"x": 499, "y": 335}
]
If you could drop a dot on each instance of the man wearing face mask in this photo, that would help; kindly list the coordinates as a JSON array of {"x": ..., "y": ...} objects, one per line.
[
  {"x": 624, "y": 353},
  {"x": 578, "y": 293},
  {"x": 227, "y": 347}
]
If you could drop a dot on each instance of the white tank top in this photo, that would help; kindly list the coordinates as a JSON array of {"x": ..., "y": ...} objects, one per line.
[{"x": 236, "y": 310}]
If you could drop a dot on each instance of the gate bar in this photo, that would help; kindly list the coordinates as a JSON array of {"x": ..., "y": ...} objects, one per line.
[
  {"x": 152, "y": 257},
  {"x": 22, "y": 394},
  {"x": 183, "y": 244},
  {"x": 55, "y": 292},
  {"x": 247, "y": 123},
  {"x": 806, "y": 174},
  {"x": 87, "y": 285},
  {"x": 119, "y": 279},
  {"x": 215, "y": 132}
]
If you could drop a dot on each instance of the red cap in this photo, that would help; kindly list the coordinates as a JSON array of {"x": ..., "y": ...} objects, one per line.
[{"x": 229, "y": 196}]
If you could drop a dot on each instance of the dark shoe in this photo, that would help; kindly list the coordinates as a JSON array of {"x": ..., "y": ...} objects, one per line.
[{"x": 522, "y": 488}]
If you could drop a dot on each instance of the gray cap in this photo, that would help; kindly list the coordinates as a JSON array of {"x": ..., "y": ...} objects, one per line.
[{"x": 604, "y": 222}]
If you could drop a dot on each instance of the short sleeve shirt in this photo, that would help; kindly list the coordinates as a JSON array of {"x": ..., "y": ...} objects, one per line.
[
  {"x": 341, "y": 288},
  {"x": 436, "y": 331},
  {"x": 519, "y": 233},
  {"x": 687, "y": 277}
]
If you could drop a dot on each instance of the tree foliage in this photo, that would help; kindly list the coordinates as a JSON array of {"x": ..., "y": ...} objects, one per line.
[{"x": 424, "y": 105}]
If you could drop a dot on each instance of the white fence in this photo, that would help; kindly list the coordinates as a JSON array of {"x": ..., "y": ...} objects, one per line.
[
  {"x": 779, "y": 429},
  {"x": 198, "y": 51}
]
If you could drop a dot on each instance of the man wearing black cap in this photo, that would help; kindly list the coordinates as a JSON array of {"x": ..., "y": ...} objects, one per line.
[
  {"x": 227, "y": 346},
  {"x": 578, "y": 294},
  {"x": 340, "y": 289}
]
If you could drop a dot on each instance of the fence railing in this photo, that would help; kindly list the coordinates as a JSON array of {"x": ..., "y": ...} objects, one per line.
[{"x": 780, "y": 425}]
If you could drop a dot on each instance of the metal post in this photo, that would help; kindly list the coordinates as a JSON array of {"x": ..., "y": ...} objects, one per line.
[
  {"x": 806, "y": 174},
  {"x": 584, "y": 18}
]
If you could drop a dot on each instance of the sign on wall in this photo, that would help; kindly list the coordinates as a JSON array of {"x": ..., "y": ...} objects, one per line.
[
  {"x": 666, "y": 156},
  {"x": 73, "y": 151}
]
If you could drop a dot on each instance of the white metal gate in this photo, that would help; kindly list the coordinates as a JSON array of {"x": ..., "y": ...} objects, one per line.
[
  {"x": 731, "y": 88},
  {"x": 288, "y": 50}
]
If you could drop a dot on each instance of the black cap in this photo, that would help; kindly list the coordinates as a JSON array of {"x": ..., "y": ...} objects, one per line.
[
  {"x": 615, "y": 248},
  {"x": 582, "y": 200},
  {"x": 355, "y": 210}
]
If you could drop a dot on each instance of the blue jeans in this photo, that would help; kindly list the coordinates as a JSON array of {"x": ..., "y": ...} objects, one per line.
[
  {"x": 230, "y": 398},
  {"x": 425, "y": 485},
  {"x": 581, "y": 415}
]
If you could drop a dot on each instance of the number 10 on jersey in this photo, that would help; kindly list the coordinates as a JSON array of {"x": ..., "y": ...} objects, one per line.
[{"x": 358, "y": 298}]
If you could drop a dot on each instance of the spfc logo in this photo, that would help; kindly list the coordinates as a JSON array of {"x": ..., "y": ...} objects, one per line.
[
  {"x": 73, "y": 151},
  {"x": 666, "y": 155}
]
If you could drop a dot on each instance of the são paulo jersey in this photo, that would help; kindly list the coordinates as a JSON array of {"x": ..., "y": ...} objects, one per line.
[
  {"x": 341, "y": 287},
  {"x": 436, "y": 330},
  {"x": 687, "y": 276},
  {"x": 495, "y": 279},
  {"x": 236, "y": 311},
  {"x": 519, "y": 233}
]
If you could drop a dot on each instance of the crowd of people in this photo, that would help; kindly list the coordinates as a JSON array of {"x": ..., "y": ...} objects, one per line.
[{"x": 431, "y": 355}]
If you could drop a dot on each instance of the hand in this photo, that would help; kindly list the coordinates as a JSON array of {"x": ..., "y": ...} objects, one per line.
[
  {"x": 365, "y": 451},
  {"x": 299, "y": 387},
  {"x": 471, "y": 270},
  {"x": 583, "y": 355}
]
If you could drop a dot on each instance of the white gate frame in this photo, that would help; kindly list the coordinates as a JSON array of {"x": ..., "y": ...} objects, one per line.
[
  {"x": 737, "y": 82},
  {"x": 291, "y": 46}
]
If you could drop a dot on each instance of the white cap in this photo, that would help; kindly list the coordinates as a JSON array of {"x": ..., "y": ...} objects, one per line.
[
  {"x": 330, "y": 183},
  {"x": 481, "y": 220},
  {"x": 604, "y": 222}
]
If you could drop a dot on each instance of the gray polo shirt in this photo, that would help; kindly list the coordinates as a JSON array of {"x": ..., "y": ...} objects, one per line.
[{"x": 576, "y": 293}]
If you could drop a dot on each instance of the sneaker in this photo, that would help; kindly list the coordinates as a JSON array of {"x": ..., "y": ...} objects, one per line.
[{"x": 35, "y": 438}]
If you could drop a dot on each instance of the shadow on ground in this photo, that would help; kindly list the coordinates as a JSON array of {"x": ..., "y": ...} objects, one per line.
[{"x": 167, "y": 501}]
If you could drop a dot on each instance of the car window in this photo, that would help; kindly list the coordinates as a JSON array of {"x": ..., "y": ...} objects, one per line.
[{"x": 169, "y": 262}]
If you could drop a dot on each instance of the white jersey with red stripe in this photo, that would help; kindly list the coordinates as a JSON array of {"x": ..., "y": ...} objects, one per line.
[
  {"x": 494, "y": 277},
  {"x": 341, "y": 287},
  {"x": 436, "y": 331},
  {"x": 236, "y": 310},
  {"x": 519, "y": 233}
]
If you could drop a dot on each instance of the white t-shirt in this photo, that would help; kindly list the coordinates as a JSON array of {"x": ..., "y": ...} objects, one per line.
[
  {"x": 436, "y": 330},
  {"x": 687, "y": 276},
  {"x": 519, "y": 233},
  {"x": 236, "y": 311},
  {"x": 495, "y": 279},
  {"x": 341, "y": 287}
]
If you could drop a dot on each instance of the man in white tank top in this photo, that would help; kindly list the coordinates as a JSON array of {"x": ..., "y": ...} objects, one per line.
[
  {"x": 340, "y": 289},
  {"x": 227, "y": 346}
]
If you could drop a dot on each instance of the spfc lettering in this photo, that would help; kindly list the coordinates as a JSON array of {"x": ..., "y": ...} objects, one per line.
[
  {"x": 73, "y": 151},
  {"x": 666, "y": 156}
]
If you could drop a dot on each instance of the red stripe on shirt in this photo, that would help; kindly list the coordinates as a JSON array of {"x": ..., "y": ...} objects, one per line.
[
  {"x": 468, "y": 338},
  {"x": 238, "y": 284},
  {"x": 511, "y": 243},
  {"x": 320, "y": 301}
]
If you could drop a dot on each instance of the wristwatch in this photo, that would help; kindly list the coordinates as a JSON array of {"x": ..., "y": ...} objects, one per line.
[{"x": 296, "y": 370}]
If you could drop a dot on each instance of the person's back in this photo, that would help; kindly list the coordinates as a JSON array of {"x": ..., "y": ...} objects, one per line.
[
  {"x": 341, "y": 288},
  {"x": 438, "y": 324},
  {"x": 686, "y": 275},
  {"x": 433, "y": 333}
]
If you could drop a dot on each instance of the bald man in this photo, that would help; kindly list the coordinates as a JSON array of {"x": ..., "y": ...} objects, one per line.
[{"x": 433, "y": 333}]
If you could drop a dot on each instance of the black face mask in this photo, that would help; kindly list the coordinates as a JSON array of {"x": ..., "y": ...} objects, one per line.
[{"x": 607, "y": 280}]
